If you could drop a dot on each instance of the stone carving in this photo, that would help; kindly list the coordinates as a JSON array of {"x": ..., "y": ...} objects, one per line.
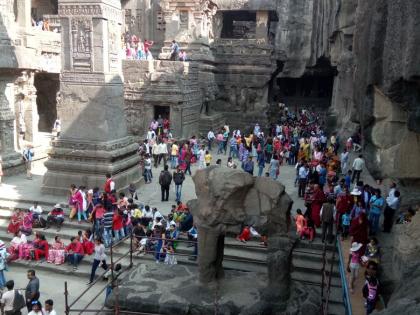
[
  {"x": 183, "y": 20},
  {"x": 228, "y": 198},
  {"x": 86, "y": 10},
  {"x": 81, "y": 29}
]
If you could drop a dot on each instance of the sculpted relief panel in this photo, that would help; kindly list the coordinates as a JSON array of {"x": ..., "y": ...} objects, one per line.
[{"x": 81, "y": 30}]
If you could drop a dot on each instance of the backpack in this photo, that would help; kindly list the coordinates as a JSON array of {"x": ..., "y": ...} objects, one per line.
[
  {"x": 178, "y": 178},
  {"x": 19, "y": 301}
]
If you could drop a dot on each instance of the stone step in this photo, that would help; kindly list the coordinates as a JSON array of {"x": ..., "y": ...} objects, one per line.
[
  {"x": 313, "y": 278},
  {"x": 316, "y": 245},
  {"x": 311, "y": 266}
]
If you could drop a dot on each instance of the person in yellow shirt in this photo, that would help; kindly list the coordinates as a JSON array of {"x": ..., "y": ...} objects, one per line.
[
  {"x": 306, "y": 148},
  {"x": 208, "y": 158},
  {"x": 174, "y": 155}
]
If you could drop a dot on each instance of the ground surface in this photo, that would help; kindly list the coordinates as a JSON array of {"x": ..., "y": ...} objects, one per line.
[{"x": 18, "y": 189}]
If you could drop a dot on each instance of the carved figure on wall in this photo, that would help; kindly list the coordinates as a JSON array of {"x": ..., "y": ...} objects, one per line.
[{"x": 81, "y": 35}]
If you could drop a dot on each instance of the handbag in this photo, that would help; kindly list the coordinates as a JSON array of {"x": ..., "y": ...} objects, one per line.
[{"x": 19, "y": 301}]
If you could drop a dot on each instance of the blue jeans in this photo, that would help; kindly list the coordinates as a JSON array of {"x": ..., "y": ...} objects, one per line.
[
  {"x": 107, "y": 236},
  {"x": 157, "y": 250},
  {"x": 374, "y": 222},
  {"x": 80, "y": 214},
  {"x": 220, "y": 147},
  {"x": 2, "y": 279},
  {"x": 108, "y": 291},
  {"x": 119, "y": 234},
  {"x": 75, "y": 259},
  {"x": 147, "y": 176},
  {"x": 233, "y": 152},
  {"x": 260, "y": 170},
  {"x": 178, "y": 189},
  {"x": 209, "y": 144},
  {"x": 174, "y": 160}
]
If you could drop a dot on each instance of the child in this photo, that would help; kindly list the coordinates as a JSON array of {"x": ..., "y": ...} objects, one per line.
[
  {"x": 300, "y": 223},
  {"x": 347, "y": 179},
  {"x": 370, "y": 293},
  {"x": 345, "y": 223},
  {"x": 245, "y": 235},
  {"x": 207, "y": 158},
  {"x": 354, "y": 263}
]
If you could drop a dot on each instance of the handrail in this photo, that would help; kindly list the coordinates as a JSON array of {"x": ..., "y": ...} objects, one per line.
[{"x": 346, "y": 296}]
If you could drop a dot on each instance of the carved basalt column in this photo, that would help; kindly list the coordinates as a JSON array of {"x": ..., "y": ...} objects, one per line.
[
  {"x": 94, "y": 138},
  {"x": 8, "y": 154}
]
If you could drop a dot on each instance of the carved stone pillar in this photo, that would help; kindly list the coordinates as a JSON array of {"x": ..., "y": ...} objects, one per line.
[
  {"x": 94, "y": 138},
  {"x": 7, "y": 124}
]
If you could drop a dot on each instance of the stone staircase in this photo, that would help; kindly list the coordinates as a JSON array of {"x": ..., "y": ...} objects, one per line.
[{"x": 307, "y": 269}]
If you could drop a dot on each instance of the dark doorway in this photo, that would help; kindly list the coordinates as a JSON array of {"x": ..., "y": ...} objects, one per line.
[
  {"x": 239, "y": 24},
  {"x": 163, "y": 111},
  {"x": 47, "y": 86}
]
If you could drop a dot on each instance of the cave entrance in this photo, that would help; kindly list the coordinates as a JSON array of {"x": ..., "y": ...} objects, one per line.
[
  {"x": 163, "y": 111},
  {"x": 239, "y": 24},
  {"x": 313, "y": 90},
  {"x": 47, "y": 86}
]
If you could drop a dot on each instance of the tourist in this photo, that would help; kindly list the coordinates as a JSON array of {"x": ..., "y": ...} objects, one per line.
[
  {"x": 99, "y": 258},
  {"x": 56, "y": 253},
  {"x": 188, "y": 156},
  {"x": 107, "y": 223},
  {"x": 358, "y": 165},
  {"x": 233, "y": 147},
  {"x": 317, "y": 200},
  {"x": 41, "y": 248},
  {"x": 261, "y": 164},
  {"x": 274, "y": 168},
  {"x": 32, "y": 289},
  {"x": 174, "y": 50},
  {"x": 109, "y": 185},
  {"x": 3, "y": 264},
  {"x": 27, "y": 221},
  {"x": 36, "y": 308},
  {"x": 16, "y": 221},
  {"x": 372, "y": 252},
  {"x": 300, "y": 222},
  {"x": 182, "y": 55},
  {"x": 28, "y": 155},
  {"x": 328, "y": 213},
  {"x": 162, "y": 152},
  {"x": 159, "y": 236},
  {"x": 345, "y": 224},
  {"x": 376, "y": 205},
  {"x": 75, "y": 252},
  {"x": 230, "y": 163},
  {"x": 308, "y": 229},
  {"x": 155, "y": 154},
  {"x": 210, "y": 139},
  {"x": 118, "y": 225},
  {"x": 174, "y": 155},
  {"x": 344, "y": 158},
  {"x": 49, "y": 308},
  {"x": 57, "y": 127},
  {"x": 178, "y": 178},
  {"x": 192, "y": 235},
  {"x": 370, "y": 293},
  {"x": 303, "y": 173},
  {"x": 87, "y": 242},
  {"x": 79, "y": 201},
  {"x": 36, "y": 211},
  {"x": 165, "y": 180},
  {"x": 97, "y": 217},
  {"x": 12, "y": 301},
  {"x": 18, "y": 240},
  {"x": 353, "y": 264},
  {"x": 245, "y": 235},
  {"x": 359, "y": 229},
  {"x": 207, "y": 158},
  {"x": 248, "y": 166},
  {"x": 56, "y": 216},
  {"x": 392, "y": 206},
  {"x": 147, "y": 169}
]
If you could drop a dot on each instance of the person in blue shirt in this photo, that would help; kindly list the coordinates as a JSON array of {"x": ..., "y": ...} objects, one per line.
[
  {"x": 376, "y": 205},
  {"x": 261, "y": 164},
  {"x": 345, "y": 223},
  {"x": 322, "y": 175},
  {"x": 347, "y": 179}
]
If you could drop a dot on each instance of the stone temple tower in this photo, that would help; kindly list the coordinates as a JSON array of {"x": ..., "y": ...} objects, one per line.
[{"x": 94, "y": 139}]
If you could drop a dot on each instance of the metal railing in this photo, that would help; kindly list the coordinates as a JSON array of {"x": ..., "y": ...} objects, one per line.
[
  {"x": 326, "y": 275},
  {"x": 346, "y": 296}
]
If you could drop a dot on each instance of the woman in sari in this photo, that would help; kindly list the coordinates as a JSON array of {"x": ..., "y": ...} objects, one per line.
[
  {"x": 13, "y": 250},
  {"x": 16, "y": 221},
  {"x": 318, "y": 198},
  {"x": 359, "y": 230},
  {"x": 26, "y": 248},
  {"x": 56, "y": 252},
  {"x": 27, "y": 221}
]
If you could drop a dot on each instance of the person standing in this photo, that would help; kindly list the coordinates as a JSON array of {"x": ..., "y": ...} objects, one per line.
[
  {"x": 303, "y": 173},
  {"x": 328, "y": 213},
  {"x": 376, "y": 205},
  {"x": 201, "y": 157},
  {"x": 99, "y": 258},
  {"x": 178, "y": 178},
  {"x": 358, "y": 165},
  {"x": 107, "y": 223},
  {"x": 210, "y": 139},
  {"x": 249, "y": 166},
  {"x": 344, "y": 158},
  {"x": 32, "y": 289},
  {"x": 392, "y": 206},
  {"x": 261, "y": 164},
  {"x": 174, "y": 50},
  {"x": 3, "y": 264},
  {"x": 8, "y": 303},
  {"x": 28, "y": 155},
  {"x": 109, "y": 184},
  {"x": 163, "y": 152},
  {"x": 57, "y": 127},
  {"x": 174, "y": 155},
  {"x": 165, "y": 180}
]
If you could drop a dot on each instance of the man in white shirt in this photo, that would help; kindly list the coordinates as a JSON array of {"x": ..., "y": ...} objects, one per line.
[
  {"x": 303, "y": 175},
  {"x": 151, "y": 135},
  {"x": 36, "y": 210},
  {"x": 210, "y": 138},
  {"x": 8, "y": 297},
  {"x": 49, "y": 309},
  {"x": 358, "y": 165},
  {"x": 201, "y": 155}
]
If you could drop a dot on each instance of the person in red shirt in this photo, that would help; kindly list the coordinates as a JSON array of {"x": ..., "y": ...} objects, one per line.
[
  {"x": 56, "y": 216},
  {"x": 41, "y": 248},
  {"x": 75, "y": 252},
  {"x": 109, "y": 184},
  {"x": 245, "y": 235},
  {"x": 117, "y": 225},
  {"x": 97, "y": 215},
  {"x": 147, "y": 44}
]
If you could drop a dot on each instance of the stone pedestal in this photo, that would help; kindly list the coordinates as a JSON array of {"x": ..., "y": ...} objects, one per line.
[{"x": 94, "y": 139}]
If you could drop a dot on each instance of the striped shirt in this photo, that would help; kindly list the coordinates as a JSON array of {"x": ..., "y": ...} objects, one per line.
[{"x": 107, "y": 219}]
